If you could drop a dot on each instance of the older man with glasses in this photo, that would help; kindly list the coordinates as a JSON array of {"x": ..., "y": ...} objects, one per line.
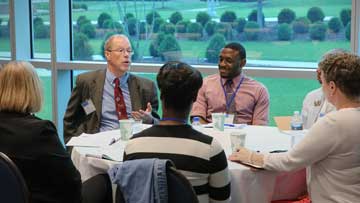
[{"x": 102, "y": 97}]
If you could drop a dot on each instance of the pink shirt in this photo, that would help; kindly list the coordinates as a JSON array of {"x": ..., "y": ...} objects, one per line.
[{"x": 251, "y": 100}]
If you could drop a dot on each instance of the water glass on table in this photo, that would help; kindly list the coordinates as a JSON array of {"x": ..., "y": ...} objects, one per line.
[
  {"x": 237, "y": 139},
  {"x": 218, "y": 120},
  {"x": 126, "y": 129}
]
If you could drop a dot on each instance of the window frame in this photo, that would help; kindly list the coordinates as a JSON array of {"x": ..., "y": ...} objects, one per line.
[{"x": 61, "y": 63}]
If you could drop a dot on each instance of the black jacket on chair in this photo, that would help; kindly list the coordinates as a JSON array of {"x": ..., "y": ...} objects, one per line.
[{"x": 34, "y": 146}]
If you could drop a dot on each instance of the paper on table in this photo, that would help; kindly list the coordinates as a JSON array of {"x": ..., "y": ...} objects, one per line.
[
  {"x": 111, "y": 152},
  {"x": 114, "y": 152},
  {"x": 94, "y": 140}
]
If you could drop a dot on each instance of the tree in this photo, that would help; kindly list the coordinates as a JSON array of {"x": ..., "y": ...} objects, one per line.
[
  {"x": 224, "y": 29},
  {"x": 345, "y": 15},
  {"x": 228, "y": 17},
  {"x": 348, "y": 31},
  {"x": 132, "y": 26},
  {"x": 89, "y": 30},
  {"x": 203, "y": 18},
  {"x": 210, "y": 28},
  {"x": 128, "y": 16},
  {"x": 301, "y": 25},
  {"x": 41, "y": 31},
  {"x": 101, "y": 19},
  {"x": 38, "y": 21},
  {"x": 194, "y": 31},
  {"x": 167, "y": 28},
  {"x": 284, "y": 32},
  {"x": 170, "y": 49},
  {"x": 315, "y": 14},
  {"x": 252, "y": 30},
  {"x": 175, "y": 17},
  {"x": 181, "y": 26},
  {"x": 154, "y": 46},
  {"x": 216, "y": 43},
  {"x": 334, "y": 24},
  {"x": 240, "y": 25},
  {"x": 286, "y": 15},
  {"x": 318, "y": 31},
  {"x": 253, "y": 16},
  {"x": 82, "y": 48},
  {"x": 81, "y": 21},
  {"x": 151, "y": 16},
  {"x": 157, "y": 23}
]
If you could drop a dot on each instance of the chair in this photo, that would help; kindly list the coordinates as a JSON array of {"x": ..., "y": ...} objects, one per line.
[
  {"x": 12, "y": 185},
  {"x": 179, "y": 188}
]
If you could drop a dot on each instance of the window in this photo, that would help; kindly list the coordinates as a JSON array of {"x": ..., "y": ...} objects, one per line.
[
  {"x": 287, "y": 34},
  {"x": 4, "y": 29},
  {"x": 41, "y": 29},
  {"x": 45, "y": 77}
]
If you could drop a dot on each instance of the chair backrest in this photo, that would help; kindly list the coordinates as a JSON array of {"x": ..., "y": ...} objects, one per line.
[
  {"x": 12, "y": 184},
  {"x": 179, "y": 188}
]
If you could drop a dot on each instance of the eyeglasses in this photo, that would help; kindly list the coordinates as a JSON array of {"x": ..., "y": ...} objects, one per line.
[{"x": 122, "y": 51}]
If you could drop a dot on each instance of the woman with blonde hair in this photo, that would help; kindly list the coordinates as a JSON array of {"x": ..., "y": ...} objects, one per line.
[
  {"x": 330, "y": 150},
  {"x": 33, "y": 143}
]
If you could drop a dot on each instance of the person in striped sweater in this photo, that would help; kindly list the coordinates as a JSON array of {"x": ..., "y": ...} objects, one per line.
[{"x": 196, "y": 155}]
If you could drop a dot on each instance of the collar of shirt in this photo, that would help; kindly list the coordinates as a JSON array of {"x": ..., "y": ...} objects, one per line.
[
  {"x": 110, "y": 77},
  {"x": 235, "y": 80}
]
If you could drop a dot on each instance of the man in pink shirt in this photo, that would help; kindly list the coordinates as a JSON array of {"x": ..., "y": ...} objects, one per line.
[{"x": 232, "y": 92}]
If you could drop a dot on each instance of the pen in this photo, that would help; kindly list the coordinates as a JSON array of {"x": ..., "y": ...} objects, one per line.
[
  {"x": 229, "y": 125},
  {"x": 113, "y": 141}
]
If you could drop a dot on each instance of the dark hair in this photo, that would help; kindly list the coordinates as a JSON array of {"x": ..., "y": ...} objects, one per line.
[
  {"x": 179, "y": 84},
  {"x": 344, "y": 70},
  {"x": 237, "y": 47}
]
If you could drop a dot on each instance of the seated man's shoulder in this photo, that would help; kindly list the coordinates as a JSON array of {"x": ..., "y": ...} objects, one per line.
[
  {"x": 212, "y": 78},
  {"x": 91, "y": 74},
  {"x": 140, "y": 79}
]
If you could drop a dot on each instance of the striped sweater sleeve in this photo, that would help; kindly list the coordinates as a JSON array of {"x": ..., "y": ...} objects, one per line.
[{"x": 219, "y": 180}]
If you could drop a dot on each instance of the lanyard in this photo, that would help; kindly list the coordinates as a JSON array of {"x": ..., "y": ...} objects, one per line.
[
  {"x": 228, "y": 103},
  {"x": 184, "y": 121}
]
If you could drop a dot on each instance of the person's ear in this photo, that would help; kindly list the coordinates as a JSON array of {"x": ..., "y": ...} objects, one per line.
[
  {"x": 333, "y": 87},
  {"x": 243, "y": 62},
  {"x": 106, "y": 54}
]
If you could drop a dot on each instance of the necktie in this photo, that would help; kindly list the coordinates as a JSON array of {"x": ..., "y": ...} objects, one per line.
[
  {"x": 229, "y": 93},
  {"x": 119, "y": 101}
]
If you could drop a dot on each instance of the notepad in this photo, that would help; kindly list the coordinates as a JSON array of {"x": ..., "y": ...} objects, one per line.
[
  {"x": 283, "y": 122},
  {"x": 114, "y": 152}
]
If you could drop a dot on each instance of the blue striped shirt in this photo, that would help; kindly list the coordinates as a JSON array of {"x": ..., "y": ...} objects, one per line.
[{"x": 109, "y": 118}]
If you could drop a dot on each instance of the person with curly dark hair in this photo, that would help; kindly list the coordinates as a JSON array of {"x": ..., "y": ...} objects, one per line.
[{"x": 199, "y": 157}]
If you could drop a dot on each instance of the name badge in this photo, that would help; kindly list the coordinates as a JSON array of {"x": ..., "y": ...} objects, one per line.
[{"x": 88, "y": 106}]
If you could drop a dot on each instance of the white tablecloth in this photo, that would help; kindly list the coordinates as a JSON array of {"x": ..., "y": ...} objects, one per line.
[{"x": 247, "y": 186}]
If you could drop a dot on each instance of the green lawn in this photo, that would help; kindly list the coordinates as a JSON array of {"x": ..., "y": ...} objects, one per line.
[{"x": 190, "y": 8}]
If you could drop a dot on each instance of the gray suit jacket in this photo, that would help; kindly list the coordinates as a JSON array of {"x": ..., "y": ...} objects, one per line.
[{"x": 90, "y": 85}]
